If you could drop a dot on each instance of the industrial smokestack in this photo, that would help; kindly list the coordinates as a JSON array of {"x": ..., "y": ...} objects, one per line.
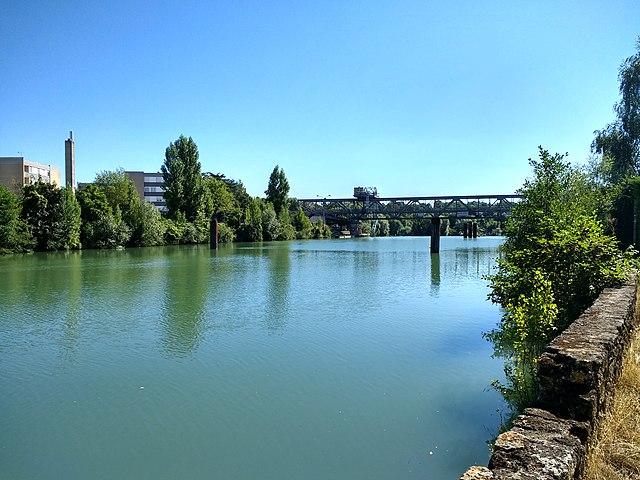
[{"x": 70, "y": 162}]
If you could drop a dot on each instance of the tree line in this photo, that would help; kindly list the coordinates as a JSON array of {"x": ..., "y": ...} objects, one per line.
[{"x": 109, "y": 213}]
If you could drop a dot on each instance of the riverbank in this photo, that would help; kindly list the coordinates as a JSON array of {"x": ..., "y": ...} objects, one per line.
[
  {"x": 578, "y": 374},
  {"x": 615, "y": 451}
]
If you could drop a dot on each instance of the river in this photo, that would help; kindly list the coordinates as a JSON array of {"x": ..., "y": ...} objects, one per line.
[{"x": 316, "y": 359}]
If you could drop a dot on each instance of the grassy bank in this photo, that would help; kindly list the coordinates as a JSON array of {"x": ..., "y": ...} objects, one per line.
[{"x": 615, "y": 452}]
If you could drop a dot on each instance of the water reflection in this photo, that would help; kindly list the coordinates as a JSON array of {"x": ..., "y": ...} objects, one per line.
[
  {"x": 435, "y": 274},
  {"x": 73, "y": 279},
  {"x": 183, "y": 310},
  {"x": 278, "y": 288},
  {"x": 342, "y": 339}
]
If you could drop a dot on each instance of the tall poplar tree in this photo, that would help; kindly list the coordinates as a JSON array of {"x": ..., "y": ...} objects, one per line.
[
  {"x": 182, "y": 179},
  {"x": 277, "y": 191}
]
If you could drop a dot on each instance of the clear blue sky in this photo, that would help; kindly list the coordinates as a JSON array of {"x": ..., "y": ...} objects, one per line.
[{"x": 414, "y": 97}]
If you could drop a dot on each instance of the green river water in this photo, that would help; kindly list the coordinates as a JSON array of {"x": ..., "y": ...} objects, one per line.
[{"x": 318, "y": 359}]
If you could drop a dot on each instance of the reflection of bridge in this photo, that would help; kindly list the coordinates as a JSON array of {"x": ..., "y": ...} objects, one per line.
[{"x": 368, "y": 206}]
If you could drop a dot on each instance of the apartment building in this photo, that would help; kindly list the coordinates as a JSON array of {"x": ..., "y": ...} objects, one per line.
[
  {"x": 15, "y": 172},
  {"x": 150, "y": 187}
]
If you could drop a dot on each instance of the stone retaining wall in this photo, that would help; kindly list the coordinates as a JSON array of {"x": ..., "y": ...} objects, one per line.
[{"x": 576, "y": 374}]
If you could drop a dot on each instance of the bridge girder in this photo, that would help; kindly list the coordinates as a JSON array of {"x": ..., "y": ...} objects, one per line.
[{"x": 341, "y": 210}]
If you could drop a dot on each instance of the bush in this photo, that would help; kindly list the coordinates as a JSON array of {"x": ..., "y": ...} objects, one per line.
[{"x": 556, "y": 261}]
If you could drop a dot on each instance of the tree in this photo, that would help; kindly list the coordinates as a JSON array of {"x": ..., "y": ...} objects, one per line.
[
  {"x": 220, "y": 200},
  {"x": 101, "y": 228},
  {"x": 619, "y": 142},
  {"x": 251, "y": 228},
  {"x": 52, "y": 215},
  {"x": 277, "y": 191},
  {"x": 554, "y": 229},
  {"x": 147, "y": 225},
  {"x": 271, "y": 227},
  {"x": 119, "y": 190},
  {"x": 302, "y": 224},
  {"x": 182, "y": 179},
  {"x": 556, "y": 260},
  {"x": 70, "y": 218},
  {"x": 14, "y": 234}
]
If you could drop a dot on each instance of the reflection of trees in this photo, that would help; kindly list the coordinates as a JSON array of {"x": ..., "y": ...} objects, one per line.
[
  {"x": 73, "y": 293},
  {"x": 278, "y": 287},
  {"x": 184, "y": 298}
]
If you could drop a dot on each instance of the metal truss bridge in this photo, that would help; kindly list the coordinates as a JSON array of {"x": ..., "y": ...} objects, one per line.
[{"x": 366, "y": 206}]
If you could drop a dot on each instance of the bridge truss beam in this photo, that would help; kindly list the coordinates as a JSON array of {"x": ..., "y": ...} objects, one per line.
[{"x": 344, "y": 210}]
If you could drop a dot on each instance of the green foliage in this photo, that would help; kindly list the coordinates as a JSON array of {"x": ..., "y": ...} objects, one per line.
[
  {"x": 383, "y": 229},
  {"x": 70, "y": 218},
  {"x": 555, "y": 229},
  {"x": 225, "y": 233},
  {"x": 119, "y": 191},
  {"x": 93, "y": 203},
  {"x": 219, "y": 198},
  {"x": 364, "y": 227},
  {"x": 400, "y": 228},
  {"x": 14, "y": 234},
  {"x": 147, "y": 225},
  {"x": 271, "y": 226},
  {"x": 525, "y": 329},
  {"x": 302, "y": 224},
  {"x": 277, "y": 191},
  {"x": 108, "y": 231},
  {"x": 619, "y": 142},
  {"x": 101, "y": 226},
  {"x": 52, "y": 216},
  {"x": 182, "y": 179},
  {"x": 251, "y": 228},
  {"x": 556, "y": 261},
  {"x": 321, "y": 230},
  {"x": 180, "y": 231}
]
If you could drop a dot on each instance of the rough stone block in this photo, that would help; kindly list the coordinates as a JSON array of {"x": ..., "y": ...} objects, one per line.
[{"x": 540, "y": 446}]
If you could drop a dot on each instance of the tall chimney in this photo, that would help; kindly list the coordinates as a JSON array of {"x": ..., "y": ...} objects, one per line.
[{"x": 70, "y": 162}]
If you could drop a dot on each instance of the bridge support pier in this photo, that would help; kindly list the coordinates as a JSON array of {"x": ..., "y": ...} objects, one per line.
[
  {"x": 435, "y": 235},
  {"x": 465, "y": 229},
  {"x": 474, "y": 228}
]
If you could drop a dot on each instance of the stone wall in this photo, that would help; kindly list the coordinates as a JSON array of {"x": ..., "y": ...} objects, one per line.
[{"x": 576, "y": 373}]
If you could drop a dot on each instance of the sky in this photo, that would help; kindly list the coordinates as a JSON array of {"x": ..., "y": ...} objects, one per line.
[{"x": 414, "y": 97}]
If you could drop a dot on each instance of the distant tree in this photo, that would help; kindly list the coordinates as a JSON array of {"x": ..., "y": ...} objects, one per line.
[
  {"x": 93, "y": 203},
  {"x": 382, "y": 229},
  {"x": 101, "y": 228},
  {"x": 182, "y": 179},
  {"x": 277, "y": 191},
  {"x": 119, "y": 190},
  {"x": 219, "y": 198},
  {"x": 271, "y": 226},
  {"x": 14, "y": 233},
  {"x": 147, "y": 225},
  {"x": 619, "y": 142},
  {"x": 251, "y": 228},
  {"x": 321, "y": 229},
  {"x": 52, "y": 215},
  {"x": 70, "y": 218},
  {"x": 302, "y": 224}
]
